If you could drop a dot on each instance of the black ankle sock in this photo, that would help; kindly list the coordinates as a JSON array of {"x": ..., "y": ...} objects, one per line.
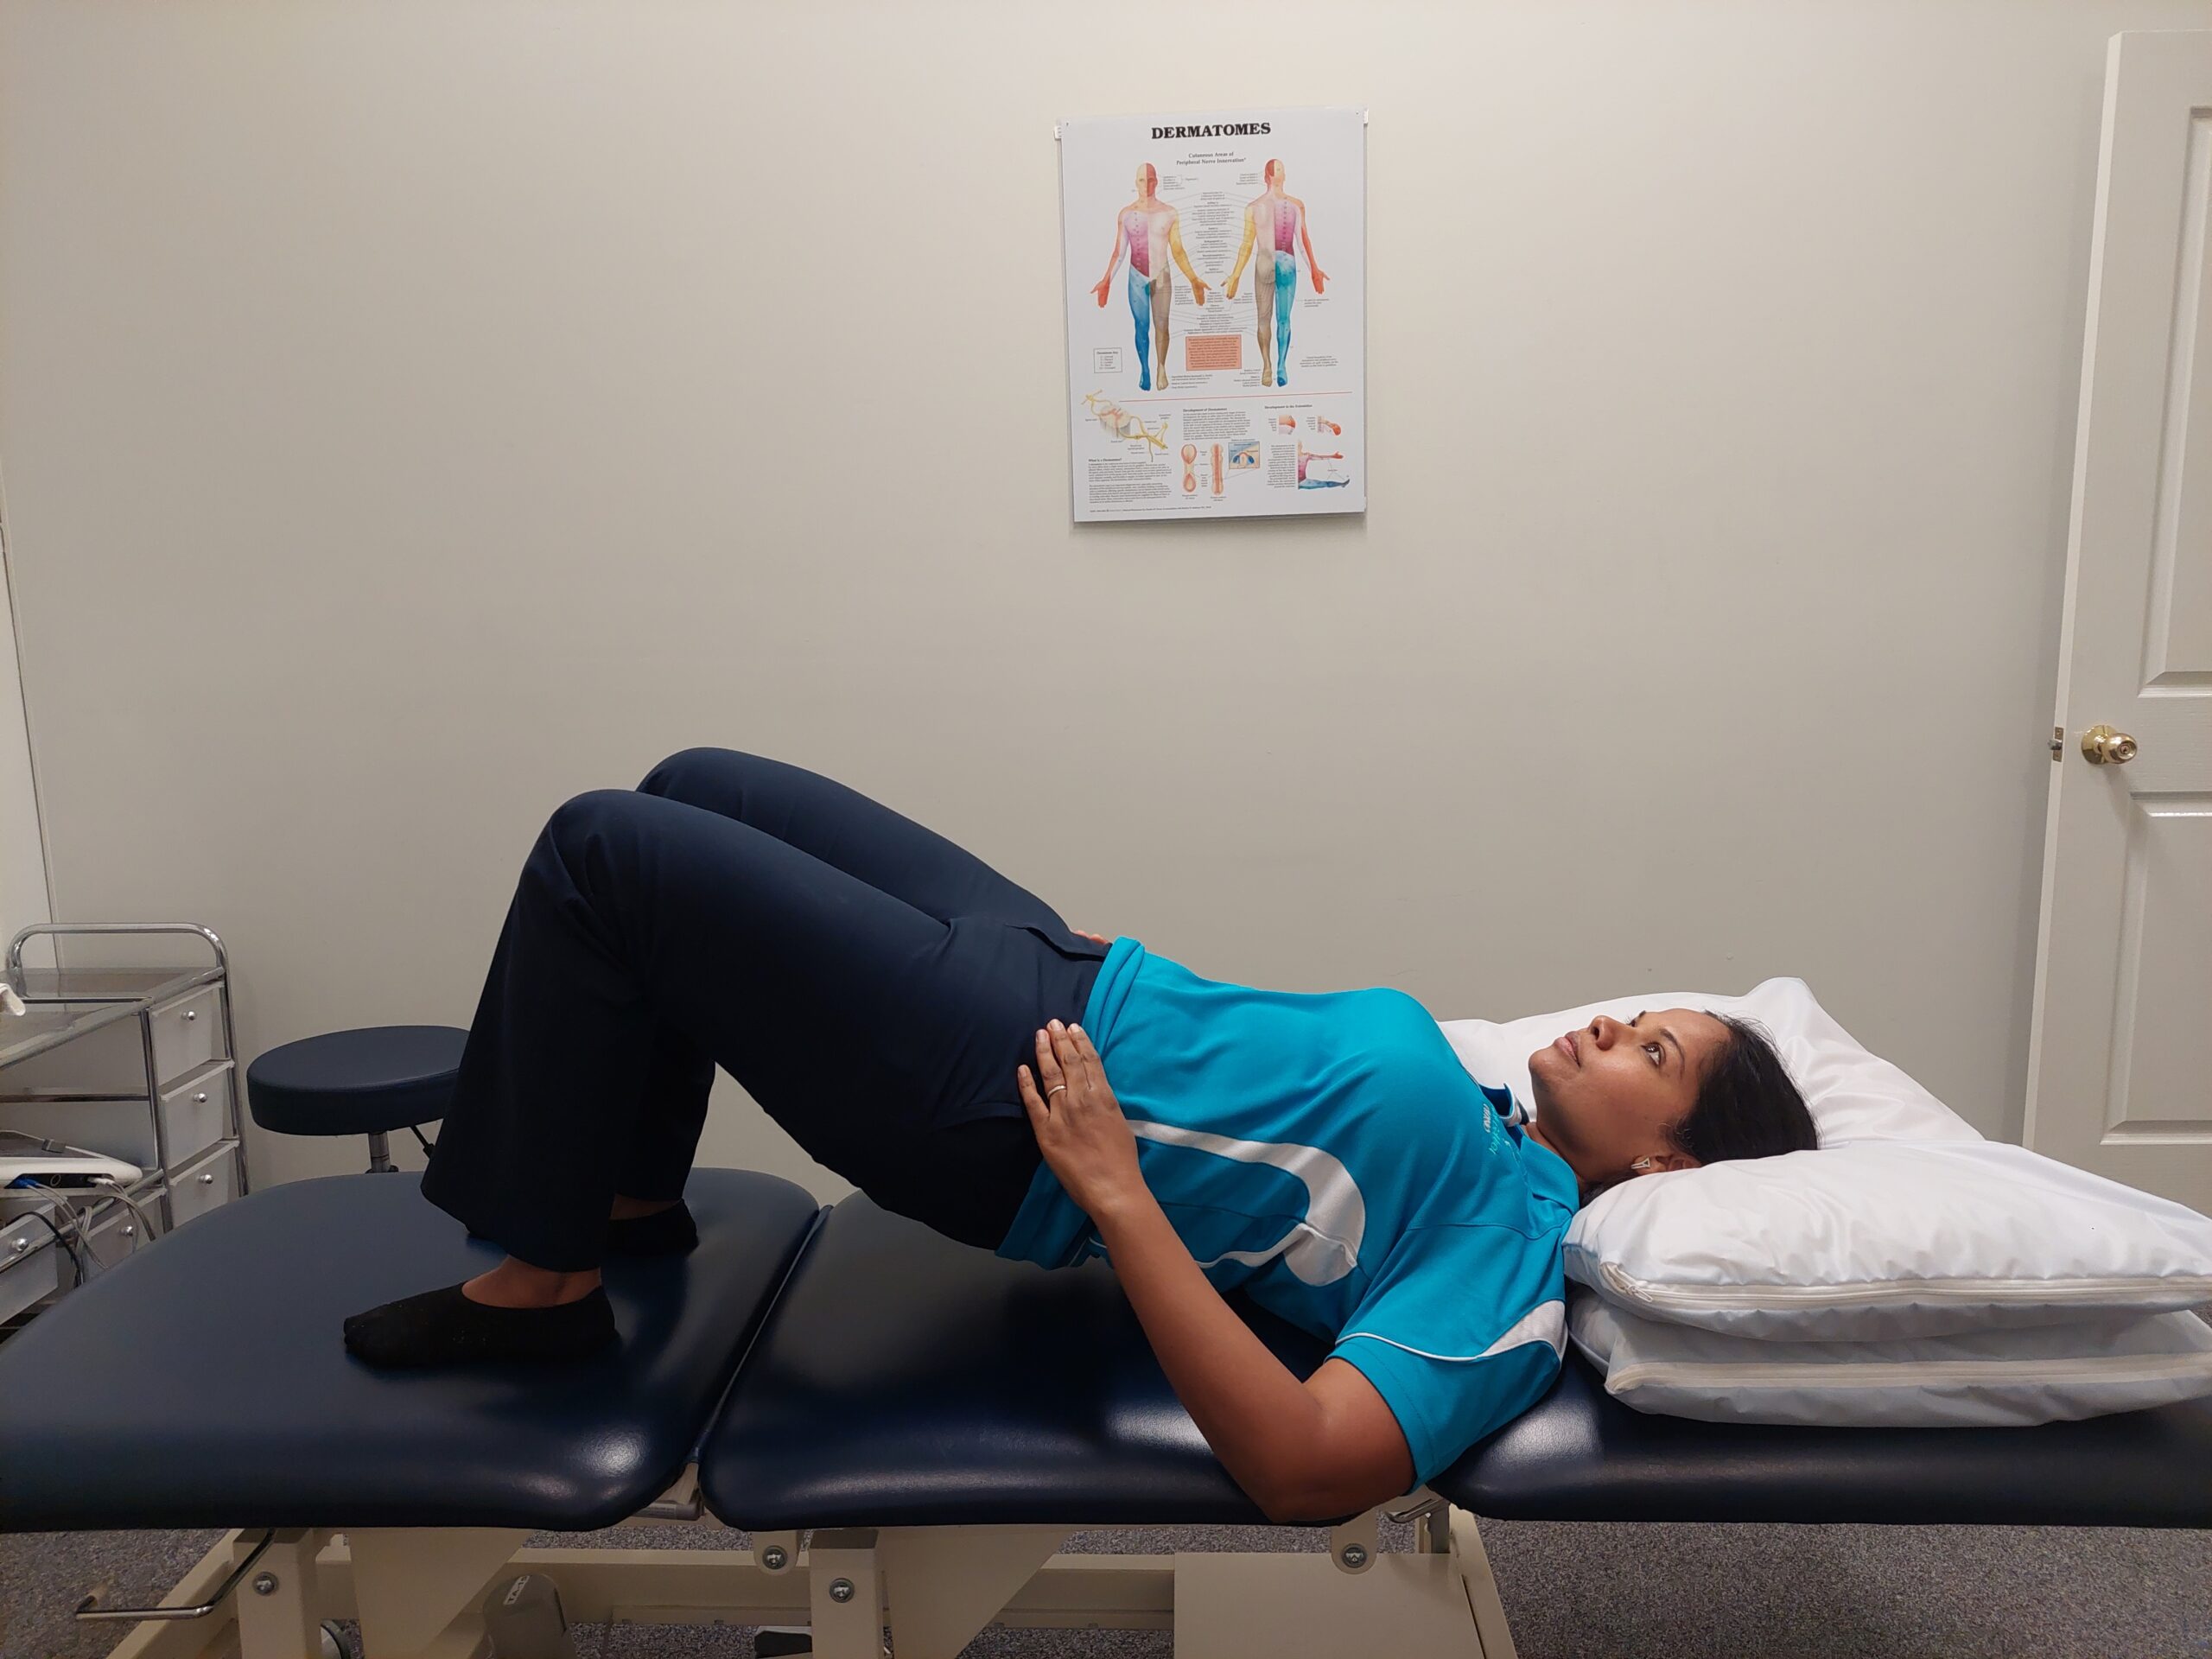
[
  {"x": 664, "y": 1232},
  {"x": 443, "y": 1327}
]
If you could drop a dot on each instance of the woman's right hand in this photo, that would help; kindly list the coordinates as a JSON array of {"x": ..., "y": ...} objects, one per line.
[
  {"x": 1098, "y": 938},
  {"x": 1080, "y": 1130}
]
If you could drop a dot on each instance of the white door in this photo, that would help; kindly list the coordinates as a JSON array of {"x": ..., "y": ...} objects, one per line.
[
  {"x": 2120, "y": 1070},
  {"x": 22, "y": 852}
]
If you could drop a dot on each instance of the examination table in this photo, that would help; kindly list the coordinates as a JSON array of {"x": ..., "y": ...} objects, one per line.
[{"x": 908, "y": 1427}]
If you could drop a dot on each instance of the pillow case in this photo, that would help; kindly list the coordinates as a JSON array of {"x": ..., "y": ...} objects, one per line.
[
  {"x": 1976, "y": 1379},
  {"x": 1905, "y": 1222},
  {"x": 1888, "y": 1239}
]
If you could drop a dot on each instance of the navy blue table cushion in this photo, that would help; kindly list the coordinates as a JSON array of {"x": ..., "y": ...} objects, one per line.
[
  {"x": 204, "y": 1382},
  {"x": 904, "y": 1379},
  {"x": 362, "y": 1081},
  {"x": 1582, "y": 1455}
]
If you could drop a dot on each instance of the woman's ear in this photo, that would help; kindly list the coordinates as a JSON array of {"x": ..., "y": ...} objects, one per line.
[{"x": 1657, "y": 1162}]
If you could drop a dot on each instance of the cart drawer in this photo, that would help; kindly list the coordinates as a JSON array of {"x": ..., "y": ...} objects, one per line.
[
  {"x": 31, "y": 1265},
  {"x": 200, "y": 1188},
  {"x": 196, "y": 1114},
  {"x": 188, "y": 1033},
  {"x": 121, "y": 1233}
]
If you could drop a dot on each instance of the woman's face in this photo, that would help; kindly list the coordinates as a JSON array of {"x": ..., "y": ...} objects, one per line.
[{"x": 1606, "y": 1095}]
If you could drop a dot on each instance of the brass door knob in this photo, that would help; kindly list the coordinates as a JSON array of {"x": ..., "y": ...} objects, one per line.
[{"x": 2106, "y": 747}]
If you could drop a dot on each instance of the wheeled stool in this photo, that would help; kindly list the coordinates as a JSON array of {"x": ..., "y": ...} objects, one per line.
[{"x": 368, "y": 1081}]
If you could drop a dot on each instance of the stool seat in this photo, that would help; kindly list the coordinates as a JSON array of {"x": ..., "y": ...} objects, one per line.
[{"x": 362, "y": 1082}]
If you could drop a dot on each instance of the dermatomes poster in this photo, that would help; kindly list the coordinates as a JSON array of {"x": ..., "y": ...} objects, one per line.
[{"x": 1215, "y": 269}]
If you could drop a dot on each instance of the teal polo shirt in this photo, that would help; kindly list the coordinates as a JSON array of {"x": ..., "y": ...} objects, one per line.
[{"x": 1329, "y": 1154}]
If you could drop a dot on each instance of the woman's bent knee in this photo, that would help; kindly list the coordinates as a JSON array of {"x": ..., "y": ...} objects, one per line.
[
  {"x": 674, "y": 776},
  {"x": 663, "y": 777},
  {"x": 592, "y": 810}
]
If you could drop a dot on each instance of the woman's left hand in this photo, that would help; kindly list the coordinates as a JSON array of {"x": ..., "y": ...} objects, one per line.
[{"x": 1079, "y": 1128}]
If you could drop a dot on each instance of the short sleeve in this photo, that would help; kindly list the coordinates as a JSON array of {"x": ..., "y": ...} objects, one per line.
[{"x": 1460, "y": 1333}]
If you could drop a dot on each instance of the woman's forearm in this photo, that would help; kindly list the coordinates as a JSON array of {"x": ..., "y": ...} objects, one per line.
[
  {"x": 1256, "y": 1415},
  {"x": 1259, "y": 1418}
]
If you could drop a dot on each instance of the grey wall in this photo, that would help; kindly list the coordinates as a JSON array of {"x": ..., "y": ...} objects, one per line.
[{"x": 413, "y": 415}]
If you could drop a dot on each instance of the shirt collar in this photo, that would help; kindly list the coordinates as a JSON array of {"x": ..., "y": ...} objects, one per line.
[
  {"x": 1501, "y": 1102},
  {"x": 1549, "y": 1173}
]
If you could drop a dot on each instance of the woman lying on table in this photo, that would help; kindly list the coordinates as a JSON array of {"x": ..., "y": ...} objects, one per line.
[{"x": 936, "y": 1034}]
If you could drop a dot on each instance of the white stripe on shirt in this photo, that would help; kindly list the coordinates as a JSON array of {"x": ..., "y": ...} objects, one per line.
[
  {"x": 1319, "y": 1250},
  {"x": 1546, "y": 1322}
]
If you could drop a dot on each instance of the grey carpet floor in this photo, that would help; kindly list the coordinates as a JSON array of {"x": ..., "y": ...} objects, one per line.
[{"x": 1583, "y": 1591}]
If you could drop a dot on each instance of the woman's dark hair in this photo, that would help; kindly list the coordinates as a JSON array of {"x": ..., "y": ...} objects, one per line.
[{"x": 1747, "y": 1107}]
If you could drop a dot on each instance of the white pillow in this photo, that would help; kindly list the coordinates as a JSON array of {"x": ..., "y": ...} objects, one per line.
[
  {"x": 1905, "y": 1222},
  {"x": 1888, "y": 1239},
  {"x": 1983, "y": 1378}
]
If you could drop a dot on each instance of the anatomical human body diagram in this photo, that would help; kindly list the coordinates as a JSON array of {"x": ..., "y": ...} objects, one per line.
[{"x": 1213, "y": 326}]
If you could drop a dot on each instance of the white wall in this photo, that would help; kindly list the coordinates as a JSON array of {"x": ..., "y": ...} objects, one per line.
[{"x": 415, "y": 414}]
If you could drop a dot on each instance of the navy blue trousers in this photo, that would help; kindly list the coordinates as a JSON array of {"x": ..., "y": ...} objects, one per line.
[{"x": 871, "y": 984}]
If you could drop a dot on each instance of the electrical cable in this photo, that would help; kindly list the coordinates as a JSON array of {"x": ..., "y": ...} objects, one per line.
[
  {"x": 68, "y": 1199},
  {"x": 60, "y": 1199},
  {"x": 61, "y": 1238},
  {"x": 145, "y": 1222}
]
